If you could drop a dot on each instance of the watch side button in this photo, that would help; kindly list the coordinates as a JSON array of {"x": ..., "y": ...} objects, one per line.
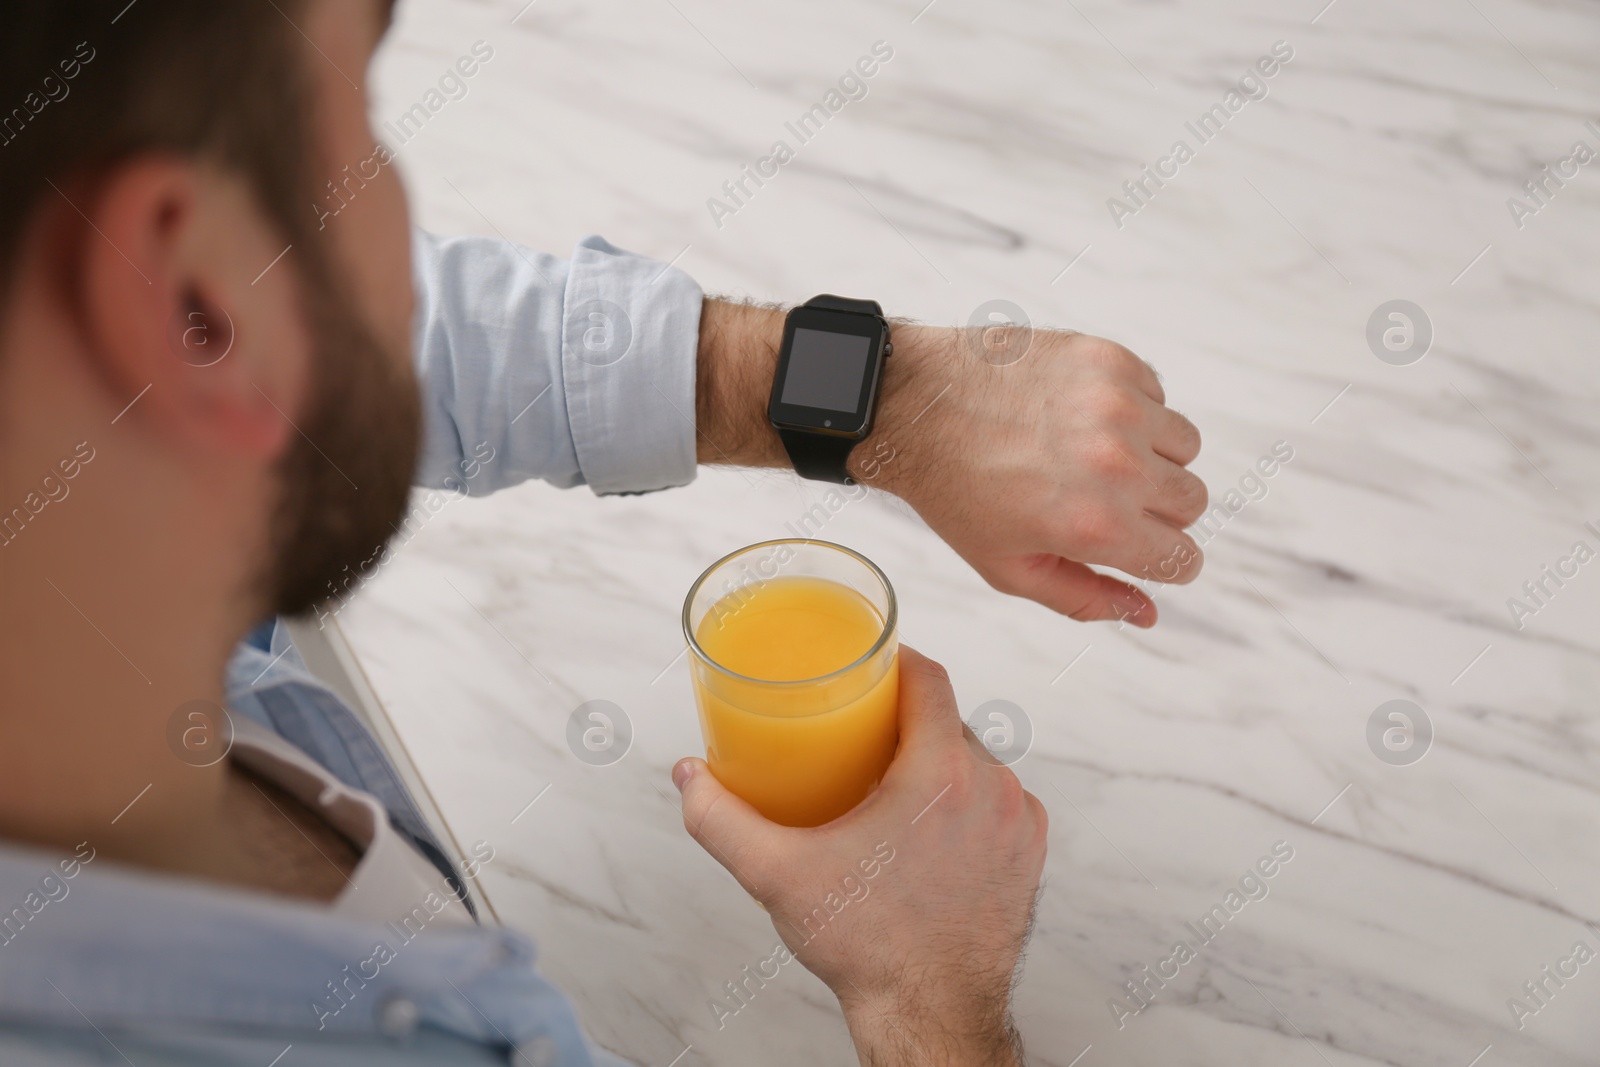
[{"x": 888, "y": 348}]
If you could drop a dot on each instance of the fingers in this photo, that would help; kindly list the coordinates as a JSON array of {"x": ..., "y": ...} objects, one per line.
[
  {"x": 724, "y": 825},
  {"x": 1074, "y": 590},
  {"x": 932, "y": 753},
  {"x": 1180, "y": 496},
  {"x": 1171, "y": 435},
  {"x": 1133, "y": 369},
  {"x": 928, "y": 713},
  {"x": 1149, "y": 382},
  {"x": 1137, "y": 540},
  {"x": 1166, "y": 554}
]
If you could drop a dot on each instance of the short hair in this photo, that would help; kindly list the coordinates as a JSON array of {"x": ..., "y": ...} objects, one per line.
[{"x": 86, "y": 84}]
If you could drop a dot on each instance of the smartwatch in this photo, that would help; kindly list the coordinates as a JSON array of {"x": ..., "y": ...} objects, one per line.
[{"x": 825, "y": 391}]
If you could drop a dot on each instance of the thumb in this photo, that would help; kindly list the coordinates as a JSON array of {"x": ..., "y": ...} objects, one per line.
[
  {"x": 726, "y": 826},
  {"x": 1075, "y": 590}
]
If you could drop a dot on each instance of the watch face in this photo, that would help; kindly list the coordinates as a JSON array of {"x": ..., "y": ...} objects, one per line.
[{"x": 828, "y": 371}]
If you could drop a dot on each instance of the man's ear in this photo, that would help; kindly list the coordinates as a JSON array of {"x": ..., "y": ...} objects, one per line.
[{"x": 185, "y": 308}]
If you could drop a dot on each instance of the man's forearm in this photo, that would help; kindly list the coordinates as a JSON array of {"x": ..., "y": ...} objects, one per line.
[
  {"x": 736, "y": 361},
  {"x": 737, "y": 357}
]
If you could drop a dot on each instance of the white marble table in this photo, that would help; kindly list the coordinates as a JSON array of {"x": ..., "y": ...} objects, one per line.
[{"x": 1377, "y": 566}]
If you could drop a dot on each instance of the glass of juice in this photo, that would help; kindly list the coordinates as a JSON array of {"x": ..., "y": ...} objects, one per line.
[{"x": 795, "y": 662}]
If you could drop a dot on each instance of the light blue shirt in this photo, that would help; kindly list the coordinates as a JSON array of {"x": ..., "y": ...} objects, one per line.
[{"x": 579, "y": 372}]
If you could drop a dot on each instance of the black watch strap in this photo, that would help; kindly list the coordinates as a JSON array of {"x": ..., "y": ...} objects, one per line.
[
  {"x": 844, "y": 303},
  {"x": 818, "y": 456}
]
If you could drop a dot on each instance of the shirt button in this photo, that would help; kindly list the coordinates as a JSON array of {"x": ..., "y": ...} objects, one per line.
[
  {"x": 397, "y": 1016},
  {"x": 539, "y": 1052}
]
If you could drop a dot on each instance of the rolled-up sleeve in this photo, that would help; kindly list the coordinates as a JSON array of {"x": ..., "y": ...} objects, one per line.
[{"x": 577, "y": 372}]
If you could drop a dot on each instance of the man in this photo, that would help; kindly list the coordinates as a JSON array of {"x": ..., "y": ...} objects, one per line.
[{"x": 209, "y": 413}]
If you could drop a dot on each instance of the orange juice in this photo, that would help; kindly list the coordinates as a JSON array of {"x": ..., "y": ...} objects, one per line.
[{"x": 799, "y": 700}]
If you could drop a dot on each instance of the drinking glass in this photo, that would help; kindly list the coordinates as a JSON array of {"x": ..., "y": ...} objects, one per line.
[{"x": 803, "y": 750}]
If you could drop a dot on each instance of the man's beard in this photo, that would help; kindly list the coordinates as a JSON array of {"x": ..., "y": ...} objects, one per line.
[{"x": 347, "y": 477}]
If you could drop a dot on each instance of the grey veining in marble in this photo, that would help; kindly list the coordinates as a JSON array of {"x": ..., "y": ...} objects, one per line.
[{"x": 1374, "y": 565}]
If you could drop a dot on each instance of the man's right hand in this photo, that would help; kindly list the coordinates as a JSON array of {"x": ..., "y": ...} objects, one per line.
[{"x": 924, "y": 950}]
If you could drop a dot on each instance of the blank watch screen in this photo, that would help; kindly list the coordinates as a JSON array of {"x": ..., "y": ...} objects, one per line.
[{"x": 825, "y": 370}]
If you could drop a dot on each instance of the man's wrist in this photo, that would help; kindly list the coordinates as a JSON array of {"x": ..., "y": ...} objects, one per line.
[
  {"x": 888, "y": 1037},
  {"x": 735, "y": 361},
  {"x": 737, "y": 357}
]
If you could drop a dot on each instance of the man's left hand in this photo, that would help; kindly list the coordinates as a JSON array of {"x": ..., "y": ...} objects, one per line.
[{"x": 1032, "y": 468}]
